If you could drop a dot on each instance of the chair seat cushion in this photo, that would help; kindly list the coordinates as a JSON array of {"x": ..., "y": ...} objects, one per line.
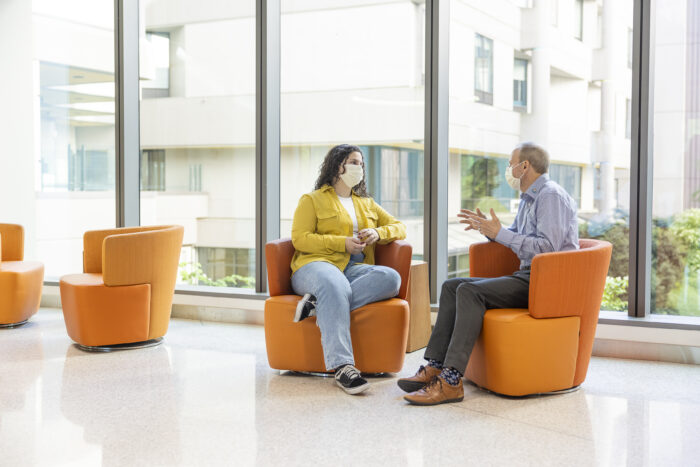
[
  {"x": 379, "y": 332},
  {"x": 517, "y": 354},
  {"x": 96, "y": 314},
  {"x": 20, "y": 290}
]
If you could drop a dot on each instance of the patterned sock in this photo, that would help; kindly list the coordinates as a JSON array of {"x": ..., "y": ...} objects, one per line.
[
  {"x": 434, "y": 363},
  {"x": 451, "y": 375}
]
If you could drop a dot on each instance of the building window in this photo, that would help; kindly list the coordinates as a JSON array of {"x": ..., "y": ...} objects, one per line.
[
  {"x": 520, "y": 84},
  {"x": 226, "y": 267},
  {"x": 578, "y": 19},
  {"x": 195, "y": 178},
  {"x": 157, "y": 82},
  {"x": 395, "y": 179},
  {"x": 483, "y": 70},
  {"x": 569, "y": 177},
  {"x": 153, "y": 170},
  {"x": 458, "y": 265},
  {"x": 630, "y": 47}
]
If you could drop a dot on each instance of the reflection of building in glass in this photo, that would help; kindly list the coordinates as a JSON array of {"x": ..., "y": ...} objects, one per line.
[{"x": 557, "y": 73}]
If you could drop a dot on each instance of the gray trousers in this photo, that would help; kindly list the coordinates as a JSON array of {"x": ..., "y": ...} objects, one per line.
[{"x": 463, "y": 302}]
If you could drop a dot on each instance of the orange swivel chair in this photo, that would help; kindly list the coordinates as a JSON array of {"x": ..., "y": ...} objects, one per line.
[
  {"x": 547, "y": 347},
  {"x": 379, "y": 330},
  {"x": 20, "y": 281},
  {"x": 124, "y": 298}
]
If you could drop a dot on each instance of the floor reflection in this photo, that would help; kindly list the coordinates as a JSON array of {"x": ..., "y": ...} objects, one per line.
[{"x": 207, "y": 397}]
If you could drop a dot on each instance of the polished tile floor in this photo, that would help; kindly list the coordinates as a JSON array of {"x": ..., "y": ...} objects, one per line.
[{"x": 207, "y": 397}]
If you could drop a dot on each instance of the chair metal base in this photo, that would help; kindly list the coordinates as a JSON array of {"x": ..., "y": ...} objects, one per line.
[
  {"x": 538, "y": 394},
  {"x": 331, "y": 374},
  {"x": 13, "y": 325},
  {"x": 129, "y": 346}
]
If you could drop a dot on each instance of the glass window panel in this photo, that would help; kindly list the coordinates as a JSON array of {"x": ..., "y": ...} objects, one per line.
[
  {"x": 483, "y": 70},
  {"x": 57, "y": 164},
  {"x": 675, "y": 281},
  {"x": 573, "y": 115},
  {"x": 198, "y": 134},
  {"x": 360, "y": 85},
  {"x": 520, "y": 83}
]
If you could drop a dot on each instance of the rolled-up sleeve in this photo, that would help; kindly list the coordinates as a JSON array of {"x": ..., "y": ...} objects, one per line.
[{"x": 552, "y": 215}]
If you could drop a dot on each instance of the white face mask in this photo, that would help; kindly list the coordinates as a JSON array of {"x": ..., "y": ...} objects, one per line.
[
  {"x": 353, "y": 175},
  {"x": 512, "y": 181}
]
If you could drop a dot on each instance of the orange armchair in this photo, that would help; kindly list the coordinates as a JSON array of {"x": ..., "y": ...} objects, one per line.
[
  {"x": 20, "y": 281},
  {"x": 379, "y": 330},
  {"x": 547, "y": 347},
  {"x": 125, "y": 294}
]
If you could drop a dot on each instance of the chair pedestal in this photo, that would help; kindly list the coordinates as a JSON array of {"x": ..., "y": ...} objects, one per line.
[
  {"x": 518, "y": 355},
  {"x": 379, "y": 332}
]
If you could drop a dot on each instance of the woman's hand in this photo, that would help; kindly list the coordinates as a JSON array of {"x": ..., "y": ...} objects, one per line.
[
  {"x": 354, "y": 245},
  {"x": 369, "y": 236}
]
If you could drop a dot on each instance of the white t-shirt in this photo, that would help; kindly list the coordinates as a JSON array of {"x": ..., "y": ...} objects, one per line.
[{"x": 350, "y": 208}]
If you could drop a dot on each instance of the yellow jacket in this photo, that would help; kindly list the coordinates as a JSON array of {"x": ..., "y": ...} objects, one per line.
[{"x": 321, "y": 224}]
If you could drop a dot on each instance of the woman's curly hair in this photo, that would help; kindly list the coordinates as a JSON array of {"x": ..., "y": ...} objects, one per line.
[{"x": 330, "y": 169}]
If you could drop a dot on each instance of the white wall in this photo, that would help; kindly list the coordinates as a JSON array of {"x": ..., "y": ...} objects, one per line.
[{"x": 18, "y": 122}]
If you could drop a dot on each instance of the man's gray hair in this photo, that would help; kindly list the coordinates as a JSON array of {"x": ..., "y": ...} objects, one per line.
[{"x": 535, "y": 155}]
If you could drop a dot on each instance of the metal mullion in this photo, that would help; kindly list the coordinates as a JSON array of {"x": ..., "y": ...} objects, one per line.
[
  {"x": 126, "y": 118},
  {"x": 641, "y": 167},
  {"x": 267, "y": 133},
  {"x": 436, "y": 149}
]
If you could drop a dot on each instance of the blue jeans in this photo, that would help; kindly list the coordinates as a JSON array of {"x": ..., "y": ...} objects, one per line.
[{"x": 337, "y": 293}]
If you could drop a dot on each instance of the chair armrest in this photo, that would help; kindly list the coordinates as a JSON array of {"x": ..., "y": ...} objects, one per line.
[
  {"x": 569, "y": 283},
  {"x": 491, "y": 259},
  {"x": 12, "y": 246},
  {"x": 139, "y": 257},
  {"x": 278, "y": 258},
  {"x": 396, "y": 255}
]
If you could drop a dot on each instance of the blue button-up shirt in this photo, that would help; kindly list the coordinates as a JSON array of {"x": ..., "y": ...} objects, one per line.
[{"x": 546, "y": 221}]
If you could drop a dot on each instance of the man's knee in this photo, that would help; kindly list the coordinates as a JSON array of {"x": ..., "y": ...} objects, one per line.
[
  {"x": 450, "y": 285},
  {"x": 468, "y": 289}
]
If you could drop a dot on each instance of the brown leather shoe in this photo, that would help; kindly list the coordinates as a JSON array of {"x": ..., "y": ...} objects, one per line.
[
  {"x": 418, "y": 381},
  {"x": 438, "y": 391}
]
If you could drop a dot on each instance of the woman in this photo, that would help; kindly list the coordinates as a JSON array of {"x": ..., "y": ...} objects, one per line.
[{"x": 334, "y": 232}]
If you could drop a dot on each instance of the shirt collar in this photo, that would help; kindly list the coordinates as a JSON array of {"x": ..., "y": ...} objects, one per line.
[
  {"x": 327, "y": 187},
  {"x": 534, "y": 190}
]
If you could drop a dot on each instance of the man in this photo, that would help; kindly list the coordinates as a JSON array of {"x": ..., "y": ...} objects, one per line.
[{"x": 546, "y": 221}]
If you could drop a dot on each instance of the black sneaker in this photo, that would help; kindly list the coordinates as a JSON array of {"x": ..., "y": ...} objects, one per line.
[
  {"x": 350, "y": 380},
  {"x": 305, "y": 308}
]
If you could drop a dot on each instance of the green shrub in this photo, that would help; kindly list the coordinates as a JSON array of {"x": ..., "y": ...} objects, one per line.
[
  {"x": 198, "y": 277},
  {"x": 615, "y": 294}
]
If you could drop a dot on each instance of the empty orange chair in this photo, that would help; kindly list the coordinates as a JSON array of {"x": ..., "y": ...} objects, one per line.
[
  {"x": 126, "y": 292},
  {"x": 20, "y": 281},
  {"x": 379, "y": 330},
  {"x": 547, "y": 347}
]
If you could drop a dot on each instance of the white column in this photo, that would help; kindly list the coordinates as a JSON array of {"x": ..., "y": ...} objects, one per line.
[
  {"x": 17, "y": 114},
  {"x": 536, "y": 124},
  {"x": 611, "y": 68}
]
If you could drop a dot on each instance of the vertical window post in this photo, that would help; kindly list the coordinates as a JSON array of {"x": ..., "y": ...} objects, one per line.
[
  {"x": 126, "y": 119},
  {"x": 267, "y": 133},
  {"x": 437, "y": 34}
]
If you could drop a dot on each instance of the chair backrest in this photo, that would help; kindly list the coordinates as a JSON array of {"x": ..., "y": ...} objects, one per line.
[
  {"x": 142, "y": 255},
  {"x": 11, "y": 242},
  {"x": 491, "y": 259},
  {"x": 279, "y": 253}
]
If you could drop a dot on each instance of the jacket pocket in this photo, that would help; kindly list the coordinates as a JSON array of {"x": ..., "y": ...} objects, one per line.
[
  {"x": 372, "y": 219},
  {"x": 328, "y": 222}
]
